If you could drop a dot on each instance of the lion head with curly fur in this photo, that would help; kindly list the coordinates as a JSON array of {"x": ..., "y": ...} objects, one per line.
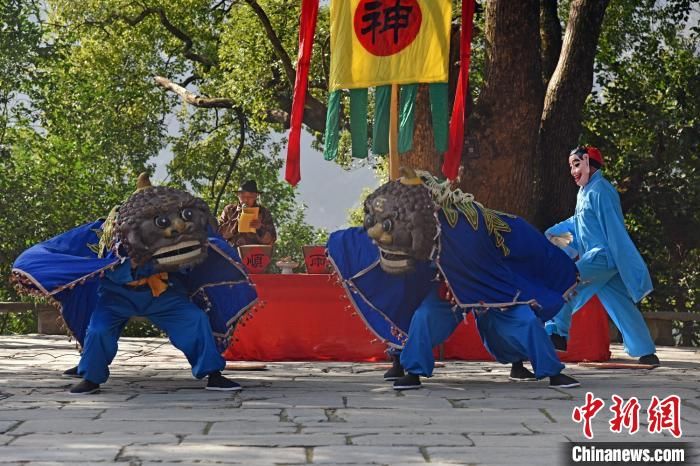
[
  {"x": 165, "y": 225},
  {"x": 400, "y": 219}
]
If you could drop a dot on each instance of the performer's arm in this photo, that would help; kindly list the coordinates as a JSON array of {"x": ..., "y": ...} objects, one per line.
[
  {"x": 266, "y": 233},
  {"x": 228, "y": 224},
  {"x": 567, "y": 226}
]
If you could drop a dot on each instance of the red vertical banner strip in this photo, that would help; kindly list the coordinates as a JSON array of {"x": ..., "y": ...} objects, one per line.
[
  {"x": 453, "y": 156},
  {"x": 307, "y": 27}
]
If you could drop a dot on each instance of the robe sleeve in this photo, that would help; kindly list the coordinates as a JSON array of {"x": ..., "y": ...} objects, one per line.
[
  {"x": 228, "y": 223},
  {"x": 621, "y": 251},
  {"x": 566, "y": 226}
]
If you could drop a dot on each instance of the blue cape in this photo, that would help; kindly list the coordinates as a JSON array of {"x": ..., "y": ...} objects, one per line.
[
  {"x": 66, "y": 269},
  {"x": 480, "y": 271}
]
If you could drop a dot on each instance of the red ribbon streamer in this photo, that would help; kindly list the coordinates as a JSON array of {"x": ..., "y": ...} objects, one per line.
[
  {"x": 307, "y": 27},
  {"x": 453, "y": 156}
]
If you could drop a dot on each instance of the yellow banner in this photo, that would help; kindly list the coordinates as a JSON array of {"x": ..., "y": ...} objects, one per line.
[{"x": 376, "y": 42}]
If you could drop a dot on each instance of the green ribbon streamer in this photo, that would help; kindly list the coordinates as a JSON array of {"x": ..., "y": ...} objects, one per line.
[
  {"x": 380, "y": 127},
  {"x": 439, "y": 110},
  {"x": 332, "y": 136},
  {"x": 407, "y": 116},
  {"x": 358, "y": 122}
]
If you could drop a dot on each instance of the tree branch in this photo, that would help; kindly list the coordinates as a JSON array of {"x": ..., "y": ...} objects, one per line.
[
  {"x": 234, "y": 160},
  {"x": 566, "y": 94},
  {"x": 550, "y": 38},
  {"x": 174, "y": 30},
  {"x": 275, "y": 41},
  {"x": 192, "y": 98}
]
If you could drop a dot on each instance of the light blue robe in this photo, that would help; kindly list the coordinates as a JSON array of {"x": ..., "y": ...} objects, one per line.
[{"x": 609, "y": 265}]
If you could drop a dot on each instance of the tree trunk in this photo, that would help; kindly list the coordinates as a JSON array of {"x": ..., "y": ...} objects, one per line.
[
  {"x": 520, "y": 131},
  {"x": 499, "y": 168},
  {"x": 550, "y": 38},
  {"x": 423, "y": 155},
  {"x": 561, "y": 118}
]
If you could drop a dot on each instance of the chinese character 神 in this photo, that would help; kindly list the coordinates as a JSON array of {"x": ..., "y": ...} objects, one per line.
[
  {"x": 665, "y": 415},
  {"x": 372, "y": 16},
  {"x": 626, "y": 415},
  {"x": 396, "y": 17},
  {"x": 390, "y": 18},
  {"x": 587, "y": 412}
]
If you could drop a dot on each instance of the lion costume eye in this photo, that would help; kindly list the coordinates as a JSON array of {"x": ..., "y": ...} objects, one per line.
[
  {"x": 161, "y": 222},
  {"x": 187, "y": 215},
  {"x": 369, "y": 221},
  {"x": 387, "y": 225}
]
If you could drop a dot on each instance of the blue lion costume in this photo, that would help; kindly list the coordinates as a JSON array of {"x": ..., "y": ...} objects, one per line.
[
  {"x": 156, "y": 256},
  {"x": 427, "y": 255}
]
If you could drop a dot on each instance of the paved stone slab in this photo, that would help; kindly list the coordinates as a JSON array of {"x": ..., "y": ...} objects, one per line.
[
  {"x": 367, "y": 455},
  {"x": 215, "y": 453},
  {"x": 152, "y": 411}
]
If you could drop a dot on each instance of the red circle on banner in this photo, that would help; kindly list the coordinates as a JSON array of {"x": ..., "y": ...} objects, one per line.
[{"x": 385, "y": 27}]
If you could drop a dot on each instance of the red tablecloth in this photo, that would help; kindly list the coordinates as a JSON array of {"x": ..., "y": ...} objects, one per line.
[{"x": 307, "y": 317}]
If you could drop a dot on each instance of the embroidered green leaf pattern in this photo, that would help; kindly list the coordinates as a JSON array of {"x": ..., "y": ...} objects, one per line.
[
  {"x": 454, "y": 201},
  {"x": 450, "y": 213},
  {"x": 107, "y": 232},
  {"x": 495, "y": 225},
  {"x": 467, "y": 208}
]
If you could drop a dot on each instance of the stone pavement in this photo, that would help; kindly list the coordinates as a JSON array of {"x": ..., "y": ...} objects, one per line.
[{"x": 153, "y": 412}]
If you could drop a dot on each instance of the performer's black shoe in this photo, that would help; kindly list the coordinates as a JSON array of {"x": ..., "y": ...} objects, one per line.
[
  {"x": 220, "y": 383},
  {"x": 563, "y": 381},
  {"x": 396, "y": 371},
  {"x": 650, "y": 359},
  {"x": 84, "y": 388},
  {"x": 558, "y": 341},
  {"x": 72, "y": 372},
  {"x": 407, "y": 382},
  {"x": 520, "y": 373}
]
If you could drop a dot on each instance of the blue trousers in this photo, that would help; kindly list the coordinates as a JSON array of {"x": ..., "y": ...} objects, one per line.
[
  {"x": 517, "y": 334},
  {"x": 513, "y": 335},
  {"x": 605, "y": 282},
  {"x": 186, "y": 325},
  {"x": 431, "y": 324}
]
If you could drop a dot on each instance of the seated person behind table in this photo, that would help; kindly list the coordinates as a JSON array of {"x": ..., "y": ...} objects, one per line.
[{"x": 264, "y": 225}]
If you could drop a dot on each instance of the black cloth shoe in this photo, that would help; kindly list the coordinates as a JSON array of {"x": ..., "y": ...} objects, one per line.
[
  {"x": 563, "y": 381},
  {"x": 650, "y": 359},
  {"x": 407, "y": 382},
  {"x": 519, "y": 373},
  {"x": 558, "y": 341},
  {"x": 72, "y": 372},
  {"x": 84, "y": 388},
  {"x": 220, "y": 383},
  {"x": 396, "y": 371}
]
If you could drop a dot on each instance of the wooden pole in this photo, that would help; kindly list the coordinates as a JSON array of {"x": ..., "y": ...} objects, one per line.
[{"x": 394, "y": 133}]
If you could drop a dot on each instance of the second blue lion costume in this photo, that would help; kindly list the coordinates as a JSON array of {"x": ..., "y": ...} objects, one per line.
[{"x": 493, "y": 264}]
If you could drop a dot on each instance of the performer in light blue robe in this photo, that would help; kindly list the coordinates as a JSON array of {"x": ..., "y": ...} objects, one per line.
[{"x": 609, "y": 264}]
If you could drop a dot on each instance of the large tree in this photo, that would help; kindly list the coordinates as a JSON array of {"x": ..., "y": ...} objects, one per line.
[{"x": 238, "y": 55}]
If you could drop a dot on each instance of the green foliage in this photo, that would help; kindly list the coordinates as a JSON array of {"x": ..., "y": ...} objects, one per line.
[
  {"x": 356, "y": 216},
  {"x": 18, "y": 323},
  {"x": 81, "y": 115},
  {"x": 644, "y": 117},
  {"x": 294, "y": 234}
]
